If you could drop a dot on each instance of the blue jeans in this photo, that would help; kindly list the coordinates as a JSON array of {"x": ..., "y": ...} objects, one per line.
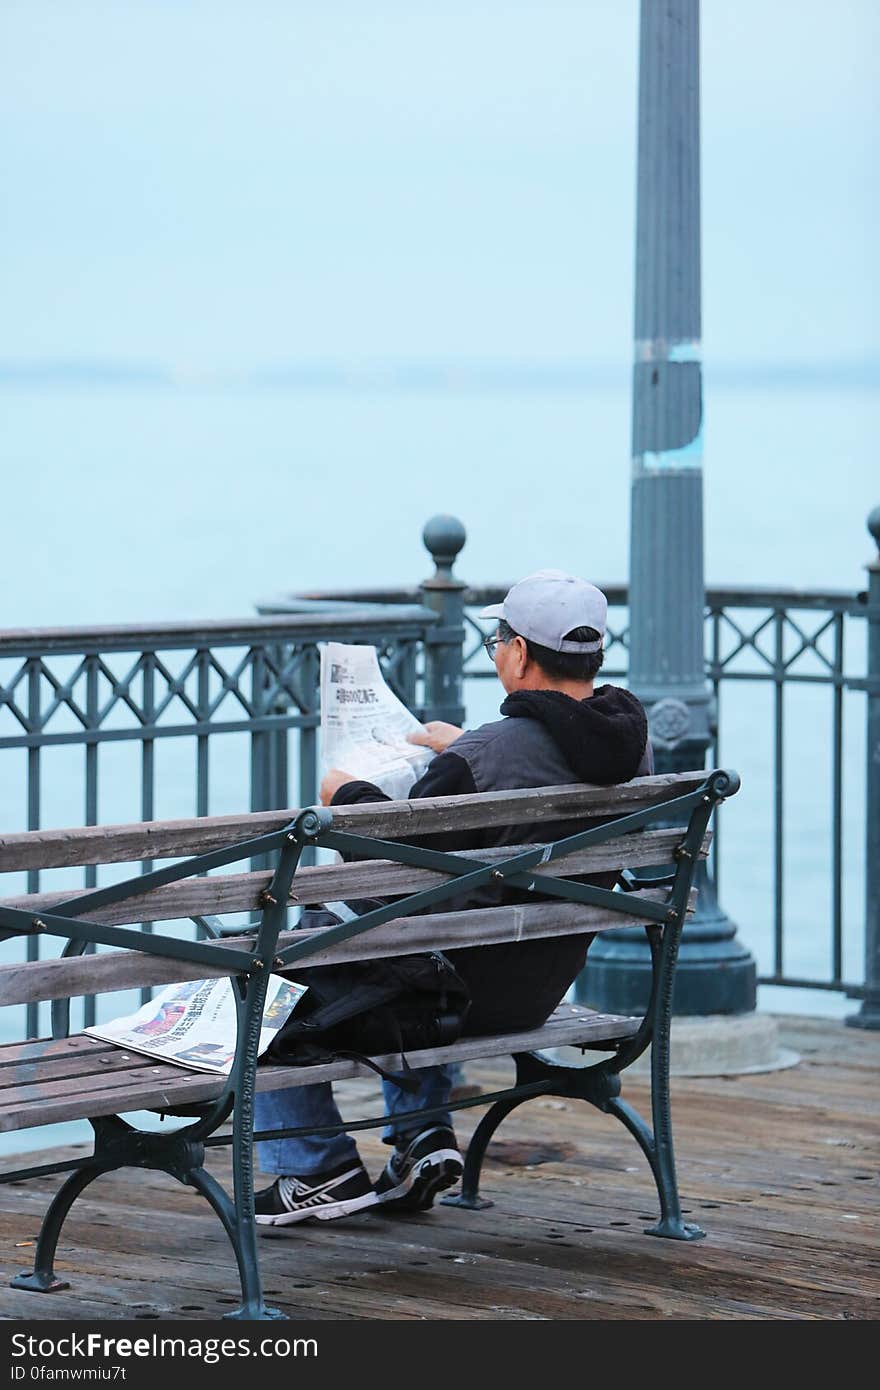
[{"x": 315, "y": 1107}]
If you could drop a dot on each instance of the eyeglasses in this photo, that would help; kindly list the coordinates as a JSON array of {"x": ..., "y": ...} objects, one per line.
[{"x": 490, "y": 643}]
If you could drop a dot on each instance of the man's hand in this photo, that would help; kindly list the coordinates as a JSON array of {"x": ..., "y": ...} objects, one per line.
[
  {"x": 331, "y": 783},
  {"x": 436, "y": 735}
]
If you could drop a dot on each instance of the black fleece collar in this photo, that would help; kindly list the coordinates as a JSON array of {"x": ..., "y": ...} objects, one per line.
[{"x": 602, "y": 738}]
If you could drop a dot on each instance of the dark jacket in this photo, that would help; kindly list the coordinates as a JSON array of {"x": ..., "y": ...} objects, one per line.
[{"x": 545, "y": 739}]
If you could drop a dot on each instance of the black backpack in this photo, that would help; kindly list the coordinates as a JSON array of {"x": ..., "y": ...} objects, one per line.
[{"x": 366, "y": 1008}]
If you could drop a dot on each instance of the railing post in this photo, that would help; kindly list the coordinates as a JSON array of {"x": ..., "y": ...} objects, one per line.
[
  {"x": 444, "y": 537},
  {"x": 869, "y": 1014},
  {"x": 308, "y": 689}
]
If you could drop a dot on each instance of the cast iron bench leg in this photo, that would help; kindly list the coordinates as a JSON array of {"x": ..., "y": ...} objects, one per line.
[
  {"x": 253, "y": 1307},
  {"x": 469, "y": 1197},
  {"x": 238, "y": 1215},
  {"x": 43, "y": 1279},
  {"x": 671, "y": 1224}
]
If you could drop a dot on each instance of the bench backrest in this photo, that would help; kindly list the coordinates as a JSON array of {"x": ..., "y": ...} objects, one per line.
[{"x": 181, "y": 890}]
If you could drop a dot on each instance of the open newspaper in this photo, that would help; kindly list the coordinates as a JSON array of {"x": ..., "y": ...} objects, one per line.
[
  {"x": 194, "y": 1024},
  {"x": 364, "y": 725}
]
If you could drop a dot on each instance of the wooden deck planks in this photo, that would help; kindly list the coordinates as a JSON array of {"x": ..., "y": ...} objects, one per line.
[{"x": 780, "y": 1168}]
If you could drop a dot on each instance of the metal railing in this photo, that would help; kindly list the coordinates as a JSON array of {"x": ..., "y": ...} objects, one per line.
[
  {"x": 777, "y": 640},
  {"x": 178, "y": 689},
  {"x": 190, "y": 686}
]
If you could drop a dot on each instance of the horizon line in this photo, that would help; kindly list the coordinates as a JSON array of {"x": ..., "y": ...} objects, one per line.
[{"x": 414, "y": 373}]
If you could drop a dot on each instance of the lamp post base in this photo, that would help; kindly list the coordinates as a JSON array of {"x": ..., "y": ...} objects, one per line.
[
  {"x": 715, "y": 973},
  {"x": 707, "y": 980},
  {"x": 867, "y": 1017}
]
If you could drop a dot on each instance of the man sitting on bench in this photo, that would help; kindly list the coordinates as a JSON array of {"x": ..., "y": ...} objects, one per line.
[{"x": 557, "y": 728}]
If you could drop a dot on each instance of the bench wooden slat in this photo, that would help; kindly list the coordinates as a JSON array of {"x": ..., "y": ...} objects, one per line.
[
  {"x": 36, "y": 1049},
  {"x": 224, "y": 893},
  {"x": 74, "y": 1065},
  {"x": 134, "y": 1075},
  {"x": 141, "y": 1088},
  {"x": 112, "y": 844},
  {"x": 100, "y": 974},
  {"x": 77, "y": 1072},
  {"x": 159, "y": 1085}
]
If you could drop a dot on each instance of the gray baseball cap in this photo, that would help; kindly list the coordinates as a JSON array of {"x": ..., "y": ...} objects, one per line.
[{"x": 546, "y": 605}]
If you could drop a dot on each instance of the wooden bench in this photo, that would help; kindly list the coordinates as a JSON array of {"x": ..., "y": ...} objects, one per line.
[{"x": 653, "y": 821}]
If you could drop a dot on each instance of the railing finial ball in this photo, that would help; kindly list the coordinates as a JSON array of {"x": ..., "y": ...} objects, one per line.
[{"x": 444, "y": 536}]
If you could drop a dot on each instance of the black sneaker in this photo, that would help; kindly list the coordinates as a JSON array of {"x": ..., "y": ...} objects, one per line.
[
  {"x": 413, "y": 1176},
  {"x": 322, "y": 1196}
]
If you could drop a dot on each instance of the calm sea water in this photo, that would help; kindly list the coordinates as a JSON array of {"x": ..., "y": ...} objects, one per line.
[{"x": 132, "y": 503}]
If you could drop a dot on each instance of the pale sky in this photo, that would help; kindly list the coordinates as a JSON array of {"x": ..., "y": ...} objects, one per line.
[{"x": 219, "y": 184}]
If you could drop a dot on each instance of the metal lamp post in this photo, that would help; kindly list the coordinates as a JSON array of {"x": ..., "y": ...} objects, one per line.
[{"x": 716, "y": 974}]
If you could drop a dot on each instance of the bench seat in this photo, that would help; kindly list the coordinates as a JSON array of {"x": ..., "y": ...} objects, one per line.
[{"x": 54, "y": 1079}]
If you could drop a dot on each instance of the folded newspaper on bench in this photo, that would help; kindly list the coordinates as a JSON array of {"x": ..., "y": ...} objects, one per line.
[
  {"x": 195, "y": 1025},
  {"x": 364, "y": 725}
]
